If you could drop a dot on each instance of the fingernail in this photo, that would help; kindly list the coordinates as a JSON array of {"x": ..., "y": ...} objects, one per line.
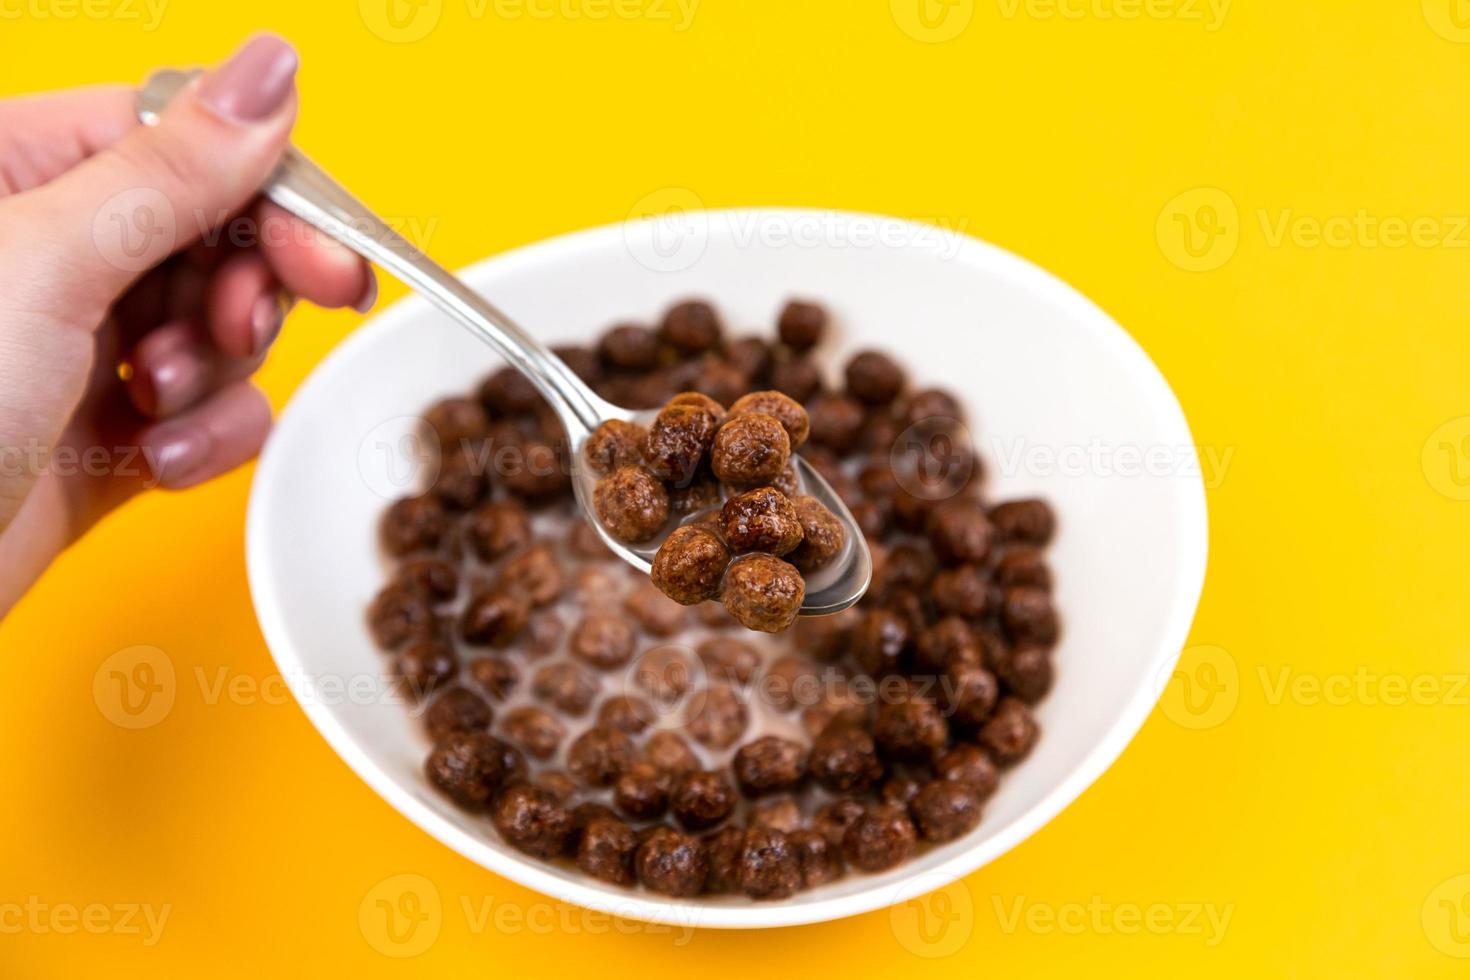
[
  {"x": 253, "y": 83},
  {"x": 176, "y": 452},
  {"x": 177, "y": 378},
  {"x": 266, "y": 317},
  {"x": 369, "y": 295}
]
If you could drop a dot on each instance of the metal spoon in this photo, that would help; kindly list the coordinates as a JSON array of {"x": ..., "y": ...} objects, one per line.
[{"x": 305, "y": 190}]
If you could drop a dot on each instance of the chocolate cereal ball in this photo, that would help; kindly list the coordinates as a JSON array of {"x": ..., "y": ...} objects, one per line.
[
  {"x": 781, "y": 813},
  {"x": 498, "y": 528},
  {"x": 400, "y": 613},
  {"x": 670, "y": 752},
  {"x": 535, "y": 574},
  {"x": 614, "y": 443},
  {"x": 467, "y": 767},
  {"x": 690, "y": 564},
  {"x": 698, "y": 399},
  {"x": 769, "y": 866},
  {"x": 700, "y": 800},
  {"x": 970, "y": 692},
  {"x": 509, "y": 392},
  {"x": 844, "y": 759},
  {"x": 912, "y": 730},
  {"x": 943, "y": 810},
  {"x": 962, "y": 591},
  {"x": 760, "y": 520},
  {"x": 643, "y": 791},
  {"x": 461, "y": 483},
  {"x": 1024, "y": 521},
  {"x": 763, "y": 592},
  {"x": 769, "y": 765},
  {"x": 532, "y": 820},
  {"x": 424, "y": 665},
  {"x": 605, "y": 850},
  {"x": 797, "y": 377},
  {"x": 655, "y": 612},
  {"x": 751, "y": 356},
  {"x": 454, "y": 422},
  {"x": 626, "y": 713},
  {"x": 415, "y": 524},
  {"x": 723, "y": 847},
  {"x": 880, "y": 642},
  {"x": 600, "y": 755},
  {"x": 629, "y": 347},
  {"x": 496, "y": 675},
  {"x": 801, "y": 325},
  {"x": 457, "y": 710},
  {"x": 569, "y": 687},
  {"x": 603, "y": 640},
  {"x": 691, "y": 327},
  {"x": 836, "y": 422},
  {"x": 494, "y": 618},
  {"x": 1028, "y": 616},
  {"x": 1010, "y": 733},
  {"x": 671, "y": 863},
  {"x": 632, "y": 504},
  {"x": 832, "y": 819},
  {"x": 750, "y": 450},
  {"x": 960, "y": 532},
  {"x": 881, "y": 838},
  {"x": 537, "y": 731},
  {"x": 820, "y": 860},
  {"x": 1026, "y": 672},
  {"x": 678, "y": 440},
  {"x": 436, "y": 578},
  {"x": 874, "y": 377},
  {"x": 701, "y": 494},
  {"x": 822, "y": 535},
  {"x": 969, "y": 766},
  {"x": 1023, "y": 565},
  {"x": 716, "y": 716},
  {"x": 728, "y": 660},
  {"x": 781, "y": 407}
]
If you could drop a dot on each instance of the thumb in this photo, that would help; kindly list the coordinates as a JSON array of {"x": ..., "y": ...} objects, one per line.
[{"x": 97, "y": 228}]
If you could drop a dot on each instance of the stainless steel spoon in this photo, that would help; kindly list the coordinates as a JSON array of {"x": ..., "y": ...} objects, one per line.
[{"x": 305, "y": 190}]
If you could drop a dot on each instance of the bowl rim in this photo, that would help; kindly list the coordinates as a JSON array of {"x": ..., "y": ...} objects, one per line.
[{"x": 1192, "y": 550}]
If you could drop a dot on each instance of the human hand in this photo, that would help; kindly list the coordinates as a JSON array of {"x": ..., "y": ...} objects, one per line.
[{"x": 142, "y": 281}]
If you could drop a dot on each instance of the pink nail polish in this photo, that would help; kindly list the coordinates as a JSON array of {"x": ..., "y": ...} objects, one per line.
[
  {"x": 253, "y": 83},
  {"x": 177, "y": 378},
  {"x": 369, "y": 295},
  {"x": 176, "y": 451},
  {"x": 266, "y": 318}
]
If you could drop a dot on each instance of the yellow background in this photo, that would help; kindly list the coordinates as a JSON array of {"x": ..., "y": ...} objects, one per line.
[{"x": 1331, "y": 828}]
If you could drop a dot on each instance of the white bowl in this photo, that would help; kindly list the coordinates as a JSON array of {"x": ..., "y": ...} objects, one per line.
[{"x": 1047, "y": 376}]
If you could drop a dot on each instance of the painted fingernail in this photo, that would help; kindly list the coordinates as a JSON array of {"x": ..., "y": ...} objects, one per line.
[
  {"x": 266, "y": 318},
  {"x": 176, "y": 451},
  {"x": 176, "y": 378},
  {"x": 253, "y": 83},
  {"x": 369, "y": 294}
]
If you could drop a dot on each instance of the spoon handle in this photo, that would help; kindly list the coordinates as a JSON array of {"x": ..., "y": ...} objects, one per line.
[{"x": 306, "y": 190}]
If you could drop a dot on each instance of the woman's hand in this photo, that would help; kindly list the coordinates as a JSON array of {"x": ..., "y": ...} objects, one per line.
[{"x": 141, "y": 283}]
